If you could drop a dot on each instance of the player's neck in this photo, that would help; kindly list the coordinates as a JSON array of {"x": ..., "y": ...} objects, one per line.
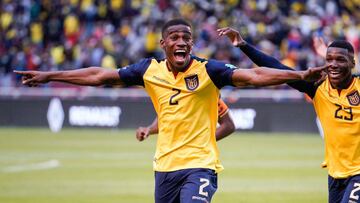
[
  {"x": 346, "y": 84},
  {"x": 176, "y": 70}
]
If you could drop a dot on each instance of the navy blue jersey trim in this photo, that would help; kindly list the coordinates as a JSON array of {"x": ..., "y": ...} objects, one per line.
[
  {"x": 159, "y": 59},
  {"x": 198, "y": 59},
  {"x": 220, "y": 73},
  {"x": 133, "y": 74}
]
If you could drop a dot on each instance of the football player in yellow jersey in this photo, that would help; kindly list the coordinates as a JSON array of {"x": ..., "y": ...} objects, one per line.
[
  {"x": 337, "y": 104},
  {"x": 226, "y": 125},
  {"x": 184, "y": 90}
]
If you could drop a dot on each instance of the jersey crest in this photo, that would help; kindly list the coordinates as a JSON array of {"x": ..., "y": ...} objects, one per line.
[
  {"x": 192, "y": 82},
  {"x": 353, "y": 98}
]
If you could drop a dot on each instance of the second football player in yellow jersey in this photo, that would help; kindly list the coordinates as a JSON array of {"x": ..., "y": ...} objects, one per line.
[
  {"x": 339, "y": 113},
  {"x": 337, "y": 104}
]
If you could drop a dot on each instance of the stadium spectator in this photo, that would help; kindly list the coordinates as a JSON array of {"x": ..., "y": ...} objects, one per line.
[
  {"x": 225, "y": 128},
  {"x": 337, "y": 103},
  {"x": 184, "y": 90}
]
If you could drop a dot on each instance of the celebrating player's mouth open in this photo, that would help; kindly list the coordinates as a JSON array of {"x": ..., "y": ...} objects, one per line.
[{"x": 177, "y": 43}]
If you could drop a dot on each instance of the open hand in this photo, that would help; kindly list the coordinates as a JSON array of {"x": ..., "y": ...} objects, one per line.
[
  {"x": 233, "y": 35},
  {"x": 32, "y": 78},
  {"x": 319, "y": 46},
  {"x": 142, "y": 133}
]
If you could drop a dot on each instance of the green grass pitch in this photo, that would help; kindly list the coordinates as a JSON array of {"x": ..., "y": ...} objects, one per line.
[{"x": 108, "y": 166}]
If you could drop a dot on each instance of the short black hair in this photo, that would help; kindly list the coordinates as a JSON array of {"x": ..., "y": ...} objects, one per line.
[
  {"x": 177, "y": 21},
  {"x": 342, "y": 44}
]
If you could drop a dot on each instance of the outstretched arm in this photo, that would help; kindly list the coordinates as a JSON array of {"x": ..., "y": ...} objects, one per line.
[
  {"x": 143, "y": 132},
  {"x": 92, "y": 76},
  {"x": 261, "y": 59},
  {"x": 263, "y": 76}
]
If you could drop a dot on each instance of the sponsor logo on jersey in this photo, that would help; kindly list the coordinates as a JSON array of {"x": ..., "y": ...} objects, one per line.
[
  {"x": 161, "y": 80},
  {"x": 192, "y": 82},
  {"x": 231, "y": 66},
  {"x": 353, "y": 98}
]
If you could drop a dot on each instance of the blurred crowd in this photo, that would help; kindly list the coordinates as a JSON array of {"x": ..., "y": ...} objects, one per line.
[{"x": 71, "y": 34}]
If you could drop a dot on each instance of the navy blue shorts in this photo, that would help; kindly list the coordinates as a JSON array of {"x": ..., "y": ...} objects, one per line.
[
  {"x": 345, "y": 190},
  {"x": 185, "y": 186}
]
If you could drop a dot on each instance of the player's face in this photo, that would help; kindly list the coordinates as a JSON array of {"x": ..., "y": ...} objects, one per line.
[
  {"x": 177, "y": 43},
  {"x": 339, "y": 63}
]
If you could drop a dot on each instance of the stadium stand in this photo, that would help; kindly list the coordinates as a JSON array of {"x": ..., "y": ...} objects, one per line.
[{"x": 70, "y": 34}]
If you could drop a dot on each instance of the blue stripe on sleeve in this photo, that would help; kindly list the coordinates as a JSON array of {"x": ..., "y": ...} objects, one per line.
[
  {"x": 133, "y": 74},
  {"x": 220, "y": 73},
  {"x": 261, "y": 59}
]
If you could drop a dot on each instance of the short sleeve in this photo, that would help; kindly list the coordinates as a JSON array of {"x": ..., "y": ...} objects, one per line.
[
  {"x": 220, "y": 72},
  {"x": 133, "y": 74}
]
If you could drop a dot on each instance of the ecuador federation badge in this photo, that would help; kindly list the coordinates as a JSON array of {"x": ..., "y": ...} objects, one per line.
[
  {"x": 354, "y": 98},
  {"x": 192, "y": 82}
]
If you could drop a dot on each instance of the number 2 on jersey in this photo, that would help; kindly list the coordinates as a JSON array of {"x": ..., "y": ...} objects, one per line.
[{"x": 172, "y": 100}]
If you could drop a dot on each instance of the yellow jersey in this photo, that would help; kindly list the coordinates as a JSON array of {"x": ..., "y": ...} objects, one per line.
[
  {"x": 187, "y": 109},
  {"x": 340, "y": 116}
]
